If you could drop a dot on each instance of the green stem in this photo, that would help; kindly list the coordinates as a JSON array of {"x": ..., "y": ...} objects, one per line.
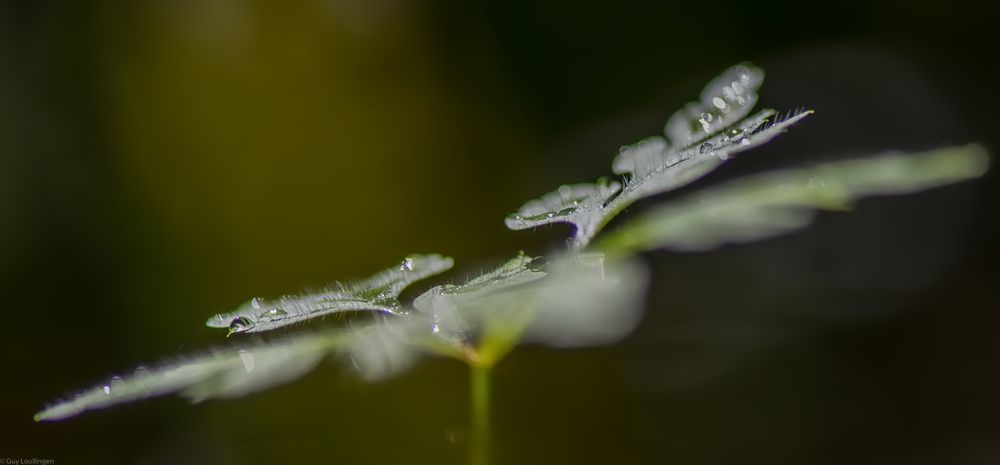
[{"x": 479, "y": 388}]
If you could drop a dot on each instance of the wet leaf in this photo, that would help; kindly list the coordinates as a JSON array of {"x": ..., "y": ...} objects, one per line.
[
  {"x": 766, "y": 205},
  {"x": 447, "y": 305},
  {"x": 378, "y": 293},
  {"x": 702, "y": 135}
]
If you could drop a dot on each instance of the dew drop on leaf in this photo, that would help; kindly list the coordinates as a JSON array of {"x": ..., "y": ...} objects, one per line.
[{"x": 276, "y": 312}]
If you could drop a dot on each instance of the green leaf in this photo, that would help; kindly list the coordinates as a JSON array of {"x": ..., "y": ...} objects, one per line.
[
  {"x": 766, "y": 205},
  {"x": 579, "y": 204},
  {"x": 671, "y": 169},
  {"x": 378, "y": 349},
  {"x": 582, "y": 301},
  {"x": 225, "y": 373},
  {"x": 588, "y": 301},
  {"x": 724, "y": 101},
  {"x": 445, "y": 305},
  {"x": 702, "y": 136},
  {"x": 379, "y": 293}
]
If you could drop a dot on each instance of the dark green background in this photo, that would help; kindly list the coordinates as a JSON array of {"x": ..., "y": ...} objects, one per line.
[{"x": 161, "y": 161}]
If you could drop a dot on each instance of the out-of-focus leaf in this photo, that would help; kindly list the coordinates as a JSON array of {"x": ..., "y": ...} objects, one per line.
[
  {"x": 588, "y": 301},
  {"x": 444, "y": 304},
  {"x": 378, "y": 349},
  {"x": 378, "y": 293},
  {"x": 765, "y": 205},
  {"x": 225, "y": 373},
  {"x": 583, "y": 301}
]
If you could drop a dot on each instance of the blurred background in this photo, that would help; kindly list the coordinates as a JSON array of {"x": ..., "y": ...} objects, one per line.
[{"x": 162, "y": 161}]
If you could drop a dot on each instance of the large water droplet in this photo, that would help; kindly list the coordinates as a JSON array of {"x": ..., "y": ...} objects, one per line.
[
  {"x": 706, "y": 147},
  {"x": 537, "y": 264},
  {"x": 276, "y": 312},
  {"x": 240, "y": 324}
]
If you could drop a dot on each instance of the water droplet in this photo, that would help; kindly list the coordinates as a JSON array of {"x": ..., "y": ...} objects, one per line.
[
  {"x": 624, "y": 149},
  {"x": 707, "y": 117},
  {"x": 706, "y": 147},
  {"x": 722, "y": 155},
  {"x": 565, "y": 191},
  {"x": 407, "y": 265},
  {"x": 107, "y": 389},
  {"x": 745, "y": 141},
  {"x": 240, "y": 324},
  {"x": 719, "y": 103},
  {"x": 274, "y": 312},
  {"x": 745, "y": 77},
  {"x": 255, "y": 303},
  {"x": 550, "y": 215},
  {"x": 537, "y": 264},
  {"x": 738, "y": 86}
]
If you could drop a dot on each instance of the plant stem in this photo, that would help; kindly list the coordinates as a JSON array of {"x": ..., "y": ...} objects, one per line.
[{"x": 479, "y": 395}]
